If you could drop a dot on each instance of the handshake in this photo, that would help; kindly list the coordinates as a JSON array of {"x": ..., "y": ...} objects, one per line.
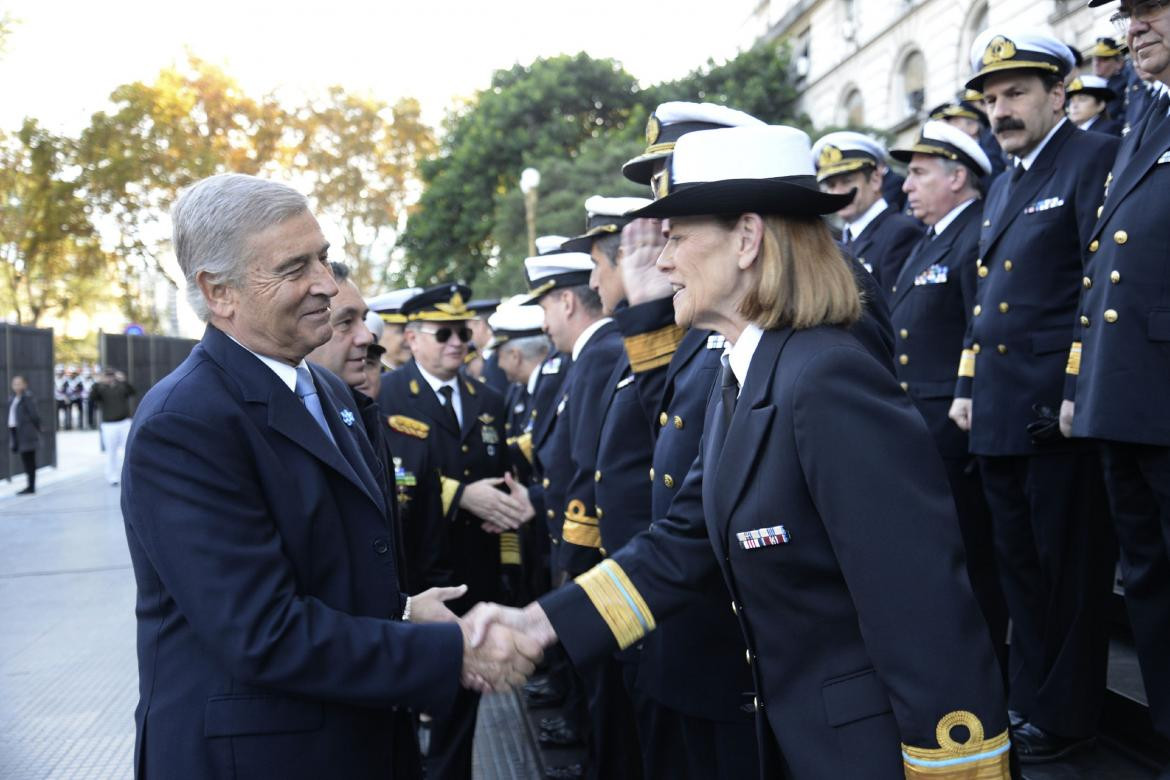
[{"x": 501, "y": 645}]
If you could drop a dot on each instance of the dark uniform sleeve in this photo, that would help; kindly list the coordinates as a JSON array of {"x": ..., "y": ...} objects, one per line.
[
  {"x": 651, "y": 338},
  {"x": 581, "y": 532}
]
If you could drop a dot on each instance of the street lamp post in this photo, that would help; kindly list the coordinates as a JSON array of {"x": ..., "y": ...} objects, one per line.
[{"x": 530, "y": 185}]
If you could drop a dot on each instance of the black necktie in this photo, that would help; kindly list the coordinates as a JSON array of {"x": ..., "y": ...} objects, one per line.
[
  {"x": 448, "y": 394},
  {"x": 1018, "y": 172},
  {"x": 729, "y": 387}
]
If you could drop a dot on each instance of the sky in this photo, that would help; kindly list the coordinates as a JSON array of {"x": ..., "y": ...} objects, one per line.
[{"x": 65, "y": 56}]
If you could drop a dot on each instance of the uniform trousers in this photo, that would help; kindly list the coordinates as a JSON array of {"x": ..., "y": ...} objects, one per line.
[
  {"x": 1056, "y": 555},
  {"x": 613, "y": 727},
  {"x": 677, "y": 746},
  {"x": 1137, "y": 478},
  {"x": 452, "y": 734}
]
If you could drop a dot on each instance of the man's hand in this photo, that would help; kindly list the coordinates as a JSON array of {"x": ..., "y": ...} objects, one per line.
[
  {"x": 428, "y": 606},
  {"x": 500, "y": 509},
  {"x": 1068, "y": 410},
  {"x": 530, "y": 621},
  {"x": 642, "y": 243},
  {"x": 961, "y": 413},
  {"x": 502, "y": 659}
]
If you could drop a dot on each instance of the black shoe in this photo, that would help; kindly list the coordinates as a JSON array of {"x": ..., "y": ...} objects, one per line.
[
  {"x": 26, "y": 492},
  {"x": 1016, "y": 719},
  {"x": 570, "y": 772},
  {"x": 1036, "y": 746},
  {"x": 542, "y": 693},
  {"x": 553, "y": 723},
  {"x": 562, "y": 737}
]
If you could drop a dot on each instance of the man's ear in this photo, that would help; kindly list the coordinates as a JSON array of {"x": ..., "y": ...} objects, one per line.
[
  {"x": 221, "y": 297},
  {"x": 749, "y": 237}
]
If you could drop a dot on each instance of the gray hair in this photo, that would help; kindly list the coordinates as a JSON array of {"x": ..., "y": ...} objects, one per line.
[
  {"x": 609, "y": 246},
  {"x": 213, "y": 220},
  {"x": 529, "y": 347},
  {"x": 971, "y": 183}
]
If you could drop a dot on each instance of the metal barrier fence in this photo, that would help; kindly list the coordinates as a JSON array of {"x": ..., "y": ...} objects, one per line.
[
  {"x": 145, "y": 359},
  {"x": 29, "y": 353}
]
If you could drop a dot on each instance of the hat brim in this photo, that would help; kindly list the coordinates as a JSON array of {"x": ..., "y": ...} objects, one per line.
[
  {"x": 582, "y": 243},
  {"x": 1102, "y": 94},
  {"x": 795, "y": 196},
  {"x": 640, "y": 170},
  {"x": 1040, "y": 67}
]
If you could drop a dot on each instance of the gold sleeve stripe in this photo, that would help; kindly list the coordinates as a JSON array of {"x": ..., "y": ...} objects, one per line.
[
  {"x": 581, "y": 532},
  {"x": 975, "y": 759},
  {"x": 648, "y": 351},
  {"x": 524, "y": 443},
  {"x": 617, "y": 600},
  {"x": 509, "y": 549},
  {"x": 1074, "y": 359},
  {"x": 967, "y": 363},
  {"x": 449, "y": 488}
]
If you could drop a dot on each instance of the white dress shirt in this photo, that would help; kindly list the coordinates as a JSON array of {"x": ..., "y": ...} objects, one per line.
[
  {"x": 740, "y": 354},
  {"x": 951, "y": 216},
  {"x": 858, "y": 226},
  {"x": 436, "y": 383},
  {"x": 583, "y": 339},
  {"x": 12, "y": 411}
]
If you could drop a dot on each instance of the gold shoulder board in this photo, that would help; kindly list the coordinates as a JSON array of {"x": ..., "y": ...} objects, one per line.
[{"x": 409, "y": 426}]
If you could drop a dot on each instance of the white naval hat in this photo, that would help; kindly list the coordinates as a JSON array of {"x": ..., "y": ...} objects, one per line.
[
  {"x": 603, "y": 216},
  {"x": 387, "y": 305},
  {"x": 672, "y": 120},
  {"x": 555, "y": 270},
  {"x": 549, "y": 244},
  {"x": 940, "y": 139},
  {"x": 375, "y": 325},
  {"x": 845, "y": 152},
  {"x": 516, "y": 322},
  {"x": 1088, "y": 84},
  {"x": 766, "y": 169},
  {"x": 995, "y": 50}
]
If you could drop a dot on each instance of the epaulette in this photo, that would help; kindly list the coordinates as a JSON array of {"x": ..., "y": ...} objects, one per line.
[{"x": 409, "y": 426}]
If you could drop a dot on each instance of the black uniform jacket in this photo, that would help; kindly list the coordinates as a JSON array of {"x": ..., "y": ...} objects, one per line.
[
  {"x": 1123, "y": 323},
  {"x": 1034, "y": 236},
  {"x": 494, "y": 376},
  {"x": 28, "y": 424},
  {"x": 932, "y": 302},
  {"x": 268, "y": 598},
  {"x": 534, "y": 429},
  {"x": 840, "y": 548},
  {"x": 884, "y": 244},
  {"x": 460, "y": 551},
  {"x": 579, "y": 427},
  {"x": 1107, "y": 126}
]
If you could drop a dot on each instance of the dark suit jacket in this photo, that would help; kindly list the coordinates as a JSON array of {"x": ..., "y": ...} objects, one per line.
[
  {"x": 1124, "y": 359},
  {"x": 1034, "y": 239},
  {"x": 28, "y": 424},
  {"x": 884, "y": 245},
  {"x": 268, "y": 598},
  {"x": 1107, "y": 126},
  {"x": 863, "y": 635},
  {"x": 934, "y": 295}
]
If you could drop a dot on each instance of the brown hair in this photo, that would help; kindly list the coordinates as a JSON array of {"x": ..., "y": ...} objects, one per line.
[{"x": 801, "y": 278}]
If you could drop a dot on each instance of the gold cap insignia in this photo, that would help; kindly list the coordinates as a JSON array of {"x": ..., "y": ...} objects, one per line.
[
  {"x": 653, "y": 130},
  {"x": 830, "y": 155},
  {"x": 1075, "y": 85},
  {"x": 972, "y": 96},
  {"x": 998, "y": 50},
  {"x": 661, "y": 184}
]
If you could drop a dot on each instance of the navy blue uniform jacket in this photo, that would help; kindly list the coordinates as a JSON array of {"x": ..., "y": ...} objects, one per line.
[
  {"x": 268, "y": 600},
  {"x": 884, "y": 245},
  {"x": 864, "y": 640}
]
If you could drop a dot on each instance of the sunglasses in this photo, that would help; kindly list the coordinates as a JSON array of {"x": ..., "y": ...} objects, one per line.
[{"x": 443, "y": 335}]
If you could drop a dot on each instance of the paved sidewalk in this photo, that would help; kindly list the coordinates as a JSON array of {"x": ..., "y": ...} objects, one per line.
[{"x": 68, "y": 675}]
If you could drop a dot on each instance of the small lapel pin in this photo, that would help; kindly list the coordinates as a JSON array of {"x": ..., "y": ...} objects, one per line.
[{"x": 347, "y": 417}]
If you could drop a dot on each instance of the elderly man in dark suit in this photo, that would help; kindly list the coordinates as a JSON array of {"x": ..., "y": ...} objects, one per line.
[
  {"x": 24, "y": 430},
  {"x": 273, "y": 637}
]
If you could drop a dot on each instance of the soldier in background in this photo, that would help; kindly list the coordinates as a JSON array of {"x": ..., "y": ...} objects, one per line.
[
  {"x": 388, "y": 306},
  {"x": 1110, "y": 63},
  {"x": 1088, "y": 102}
]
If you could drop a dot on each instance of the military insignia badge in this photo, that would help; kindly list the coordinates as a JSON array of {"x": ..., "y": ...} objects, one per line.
[
  {"x": 413, "y": 387},
  {"x": 487, "y": 419},
  {"x": 408, "y": 426},
  {"x": 552, "y": 366},
  {"x": 490, "y": 435},
  {"x": 763, "y": 537},
  {"x": 830, "y": 155},
  {"x": 716, "y": 341},
  {"x": 653, "y": 130},
  {"x": 347, "y": 417},
  {"x": 936, "y": 274},
  {"x": 1044, "y": 204},
  {"x": 998, "y": 50}
]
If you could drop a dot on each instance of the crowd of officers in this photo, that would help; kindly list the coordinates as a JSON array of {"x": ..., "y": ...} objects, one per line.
[{"x": 1014, "y": 280}]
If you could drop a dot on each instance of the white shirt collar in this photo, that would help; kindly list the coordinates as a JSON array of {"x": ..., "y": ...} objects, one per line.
[
  {"x": 435, "y": 382},
  {"x": 951, "y": 216},
  {"x": 286, "y": 373},
  {"x": 1092, "y": 121},
  {"x": 533, "y": 378},
  {"x": 739, "y": 354},
  {"x": 583, "y": 339},
  {"x": 857, "y": 227},
  {"x": 1032, "y": 155}
]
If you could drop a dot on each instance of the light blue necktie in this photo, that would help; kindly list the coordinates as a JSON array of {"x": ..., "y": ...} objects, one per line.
[{"x": 307, "y": 392}]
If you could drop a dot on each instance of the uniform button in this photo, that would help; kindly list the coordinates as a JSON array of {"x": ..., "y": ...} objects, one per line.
[
  {"x": 904, "y": 333},
  {"x": 597, "y": 476},
  {"x": 662, "y": 418},
  {"x": 668, "y": 480},
  {"x": 678, "y": 422},
  {"x": 987, "y": 223},
  {"x": 1084, "y": 321},
  {"x": 1110, "y": 316},
  {"x": 903, "y": 359},
  {"x": 544, "y": 482},
  {"x": 1099, "y": 210},
  {"x": 651, "y": 474},
  {"x": 381, "y": 547},
  {"x": 983, "y": 271},
  {"x": 1003, "y": 307},
  {"x": 602, "y": 549},
  {"x": 465, "y": 448},
  {"x": 1121, "y": 237},
  {"x": 1007, "y": 265},
  {"x": 978, "y": 262},
  {"x": 734, "y": 608},
  {"x": 555, "y": 540},
  {"x": 1087, "y": 282},
  {"x": 1002, "y": 349},
  {"x": 894, "y": 288},
  {"x": 975, "y": 348},
  {"x": 905, "y": 385},
  {"x": 977, "y": 310},
  {"x": 747, "y": 654},
  {"x": 599, "y": 513},
  {"x": 1115, "y": 277},
  {"x": 467, "y": 472},
  {"x": 1093, "y": 246},
  {"x": 551, "y": 514},
  {"x": 759, "y": 705}
]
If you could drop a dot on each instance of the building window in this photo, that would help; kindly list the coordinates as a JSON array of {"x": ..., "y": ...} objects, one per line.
[
  {"x": 912, "y": 76},
  {"x": 801, "y": 61},
  {"x": 852, "y": 113},
  {"x": 849, "y": 23}
]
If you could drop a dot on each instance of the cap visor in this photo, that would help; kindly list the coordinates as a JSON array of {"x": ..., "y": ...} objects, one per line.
[{"x": 640, "y": 170}]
